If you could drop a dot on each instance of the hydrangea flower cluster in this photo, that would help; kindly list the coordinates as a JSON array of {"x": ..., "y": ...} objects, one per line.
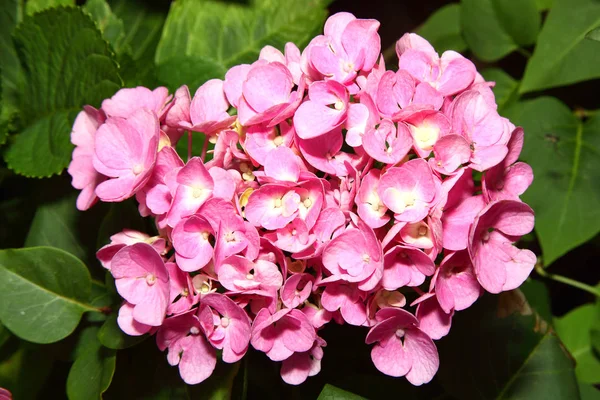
[{"x": 336, "y": 191}]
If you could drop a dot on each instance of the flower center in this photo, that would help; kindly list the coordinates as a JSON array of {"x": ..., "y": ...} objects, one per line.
[
  {"x": 400, "y": 333},
  {"x": 197, "y": 192},
  {"x": 224, "y": 322},
  {"x": 194, "y": 331},
  {"x": 150, "y": 279},
  {"x": 366, "y": 258},
  {"x": 137, "y": 169},
  {"x": 338, "y": 105},
  {"x": 307, "y": 202},
  {"x": 205, "y": 235},
  {"x": 278, "y": 203},
  {"x": 278, "y": 141},
  {"x": 422, "y": 230}
]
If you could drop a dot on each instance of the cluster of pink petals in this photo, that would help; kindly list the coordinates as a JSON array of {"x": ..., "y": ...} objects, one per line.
[{"x": 336, "y": 191}]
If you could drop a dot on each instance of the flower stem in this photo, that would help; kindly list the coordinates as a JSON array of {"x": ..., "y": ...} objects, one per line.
[
  {"x": 204, "y": 148},
  {"x": 567, "y": 281},
  {"x": 189, "y": 145}
]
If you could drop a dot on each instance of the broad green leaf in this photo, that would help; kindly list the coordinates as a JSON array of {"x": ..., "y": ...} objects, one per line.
[
  {"x": 43, "y": 293},
  {"x": 498, "y": 349},
  {"x": 35, "y": 6},
  {"x": 102, "y": 298},
  {"x": 562, "y": 55},
  {"x": 203, "y": 39},
  {"x": 111, "y": 26},
  {"x": 10, "y": 15},
  {"x": 483, "y": 32},
  {"x": 520, "y": 19},
  {"x": 55, "y": 225},
  {"x": 564, "y": 156},
  {"x": 506, "y": 89},
  {"x": 93, "y": 369},
  {"x": 123, "y": 215},
  {"x": 66, "y": 65},
  {"x": 331, "y": 392},
  {"x": 25, "y": 371},
  {"x": 574, "y": 330},
  {"x": 111, "y": 336},
  {"x": 442, "y": 29},
  {"x": 538, "y": 298}
]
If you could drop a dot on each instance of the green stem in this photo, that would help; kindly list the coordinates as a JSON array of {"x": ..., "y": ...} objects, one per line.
[
  {"x": 567, "y": 281},
  {"x": 524, "y": 53}
]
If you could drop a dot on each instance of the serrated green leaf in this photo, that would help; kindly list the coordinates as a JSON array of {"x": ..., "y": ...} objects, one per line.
[
  {"x": 66, "y": 64},
  {"x": 564, "y": 156},
  {"x": 498, "y": 349},
  {"x": 574, "y": 330},
  {"x": 111, "y": 26},
  {"x": 562, "y": 55},
  {"x": 506, "y": 89},
  {"x": 442, "y": 29},
  {"x": 93, "y": 369},
  {"x": 43, "y": 293},
  {"x": 111, "y": 336},
  {"x": 331, "y": 392},
  {"x": 35, "y": 6},
  {"x": 216, "y": 35},
  {"x": 55, "y": 225}
]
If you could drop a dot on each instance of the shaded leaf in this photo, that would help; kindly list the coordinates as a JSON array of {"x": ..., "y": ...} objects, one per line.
[
  {"x": 111, "y": 336},
  {"x": 538, "y": 298},
  {"x": 574, "y": 330},
  {"x": 442, "y": 29},
  {"x": 43, "y": 293},
  {"x": 55, "y": 225},
  {"x": 10, "y": 15},
  {"x": 520, "y": 19},
  {"x": 65, "y": 66},
  {"x": 123, "y": 215},
  {"x": 562, "y": 55},
  {"x": 483, "y": 32},
  {"x": 331, "y": 392},
  {"x": 564, "y": 156},
  {"x": 25, "y": 371},
  {"x": 93, "y": 369},
  {"x": 506, "y": 89},
  {"x": 110, "y": 25},
  {"x": 498, "y": 349},
  {"x": 594, "y": 34},
  {"x": 215, "y": 36},
  {"x": 544, "y": 5},
  {"x": 588, "y": 392}
]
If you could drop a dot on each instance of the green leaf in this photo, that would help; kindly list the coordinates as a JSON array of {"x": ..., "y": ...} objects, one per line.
[
  {"x": 574, "y": 330},
  {"x": 66, "y": 64},
  {"x": 538, "y": 298},
  {"x": 43, "y": 293},
  {"x": 10, "y": 15},
  {"x": 111, "y": 336},
  {"x": 506, "y": 89},
  {"x": 543, "y": 5},
  {"x": 562, "y": 55},
  {"x": 220, "y": 384},
  {"x": 93, "y": 369},
  {"x": 55, "y": 225},
  {"x": 565, "y": 193},
  {"x": 588, "y": 392},
  {"x": 495, "y": 28},
  {"x": 111, "y": 26},
  {"x": 35, "y": 6},
  {"x": 102, "y": 298},
  {"x": 442, "y": 29},
  {"x": 213, "y": 36},
  {"x": 520, "y": 19},
  {"x": 498, "y": 349},
  {"x": 331, "y": 392},
  {"x": 123, "y": 215}
]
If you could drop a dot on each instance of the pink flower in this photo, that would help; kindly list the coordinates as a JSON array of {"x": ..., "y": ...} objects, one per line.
[
  {"x": 408, "y": 190},
  {"x": 315, "y": 117},
  {"x": 370, "y": 207},
  {"x": 127, "y": 238},
  {"x": 498, "y": 264},
  {"x": 182, "y": 296},
  {"x": 81, "y": 168},
  {"x": 355, "y": 256},
  {"x": 282, "y": 334},
  {"x": 240, "y": 274},
  {"x": 509, "y": 179},
  {"x": 296, "y": 290},
  {"x": 125, "y": 150},
  {"x": 191, "y": 240},
  {"x": 208, "y": 109},
  {"x": 128, "y": 101},
  {"x": 346, "y": 298},
  {"x": 231, "y": 332},
  {"x": 129, "y": 325},
  {"x": 299, "y": 366},
  {"x": 272, "y": 206},
  {"x": 184, "y": 336},
  {"x": 456, "y": 286},
  {"x": 433, "y": 320},
  {"x": 142, "y": 279},
  {"x": 401, "y": 348},
  {"x": 387, "y": 143},
  {"x": 405, "y": 266}
]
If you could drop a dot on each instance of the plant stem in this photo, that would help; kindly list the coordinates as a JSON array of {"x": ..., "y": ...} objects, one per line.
[
  {"x": 204, "y": 148},
  {"x": 189, "y": 145},
  {"x": 524, "y": 53},
  {"x": 567, "y": 281}
]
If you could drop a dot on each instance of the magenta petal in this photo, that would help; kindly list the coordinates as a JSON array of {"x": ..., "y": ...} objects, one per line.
[{"x": 424, "y": 355}]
